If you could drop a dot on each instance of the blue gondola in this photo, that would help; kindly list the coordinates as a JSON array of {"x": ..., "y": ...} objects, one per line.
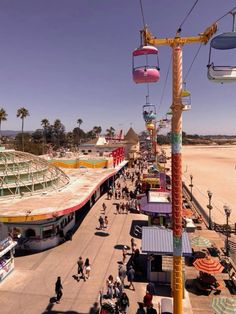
[
  {"x": 219, "y": 73},
  {"x": 149, "y": 112}
]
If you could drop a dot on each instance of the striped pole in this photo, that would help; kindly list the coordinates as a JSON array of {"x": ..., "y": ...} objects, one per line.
[{"x": 176, "y": 162}]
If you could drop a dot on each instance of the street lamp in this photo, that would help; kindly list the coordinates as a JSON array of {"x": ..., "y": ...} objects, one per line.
[
  {"x": 227, "y": 213},
  {"x": 209, "y": 206},
  {"x": 191, "y": 187}
]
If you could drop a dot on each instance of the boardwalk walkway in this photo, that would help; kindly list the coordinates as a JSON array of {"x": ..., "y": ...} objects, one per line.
[{"x": 31, "y": 286}]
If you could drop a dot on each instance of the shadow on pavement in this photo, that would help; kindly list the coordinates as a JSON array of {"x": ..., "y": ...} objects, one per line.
[
  {"x": 101, "y": 234},
  {"x": 49, "y": 309},
  {"x": 120, "y": 247}
]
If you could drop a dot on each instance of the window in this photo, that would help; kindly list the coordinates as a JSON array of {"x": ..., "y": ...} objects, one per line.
[
  {"x": 30, "y": 233},
  {"x": 47, "y": 233}
]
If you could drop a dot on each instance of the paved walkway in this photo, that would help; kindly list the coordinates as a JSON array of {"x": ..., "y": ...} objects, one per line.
[{"x": 31, "y": 285}]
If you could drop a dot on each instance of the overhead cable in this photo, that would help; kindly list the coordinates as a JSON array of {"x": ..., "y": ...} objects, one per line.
[
  {"x": 164, "y": 87},
  {"x": 141, "y": 7},
  {"x": 185, "y": 77},
  {"x": 184, "y": 20},
  {"x": 229, "y": 12}
]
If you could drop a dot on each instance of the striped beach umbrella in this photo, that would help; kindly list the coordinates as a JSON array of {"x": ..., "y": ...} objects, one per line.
[
  {"x": 208, "y": 265},
  {"x": 224, "y": 305},
  {"x": 200, "y": 241}
]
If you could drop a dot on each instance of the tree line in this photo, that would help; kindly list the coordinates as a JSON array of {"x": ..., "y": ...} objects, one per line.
[{"x": 51, "y": 136}]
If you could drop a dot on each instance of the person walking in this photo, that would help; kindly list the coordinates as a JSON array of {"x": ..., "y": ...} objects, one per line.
[
  {"x": 124, "y": 253},
  {"x": 117, "y": 208},
  {"x": 101, "y": 223},
  {"x": 105, "y": 221},
  {"x": 130, "y": 277},
  {"x": 124, "y": 303},
  {"x": 141, "y": 309},
  {"x": 87, "y": 267},
  {"x": 80, "y": 264},
  {"x": 122, "y": 273},
  {"x": 58, "y": 289},
  {"x": 110, "y": 284},
  {"x": 104, "y": 207},
  {"x": 147, "y": 299},
  {"x": 95, "y": 309},
  {"x": 151, "y": 310},
  {"x": 151, "y": 288}
]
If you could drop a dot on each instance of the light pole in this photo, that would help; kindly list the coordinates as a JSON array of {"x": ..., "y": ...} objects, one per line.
[
  {"x": 191, "y": 187},
  {"x": 227, "y": 213},
  {"x": 209, "y": 206}
]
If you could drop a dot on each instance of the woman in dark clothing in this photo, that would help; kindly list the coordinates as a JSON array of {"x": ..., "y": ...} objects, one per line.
[
  {"x": 124, "y": 303},
  {"x": 58, "y": 289}
]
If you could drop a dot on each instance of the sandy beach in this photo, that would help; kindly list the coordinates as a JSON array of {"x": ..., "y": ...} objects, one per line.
[{"x": 213, "y": 168}]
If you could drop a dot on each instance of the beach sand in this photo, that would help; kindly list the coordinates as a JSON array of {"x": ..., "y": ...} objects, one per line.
[{"x": 213, "y": 168}]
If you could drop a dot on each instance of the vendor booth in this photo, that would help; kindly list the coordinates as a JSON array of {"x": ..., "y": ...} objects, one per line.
[{"x": 157, "y": 242}]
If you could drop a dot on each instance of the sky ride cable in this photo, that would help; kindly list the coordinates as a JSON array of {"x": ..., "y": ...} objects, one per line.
[
  {"x": 229, "y": 12},
  {"x": 184, "y": 20},
  {"x": 190, "y": 67},
  {"x": 141, "y": 7},
  {"x": 165, "y": 84}
]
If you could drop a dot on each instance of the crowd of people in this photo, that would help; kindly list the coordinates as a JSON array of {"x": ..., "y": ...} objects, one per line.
[{"x": 124, "y": 193}]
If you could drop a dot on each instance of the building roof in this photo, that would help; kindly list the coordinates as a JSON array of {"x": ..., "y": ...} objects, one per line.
[
  {"x": 157, "y": 240},
  {"x": 131, "y": 136},
  {"x": 83, "y": 183},
  {"x": 152, "y": 208},
  {"x": 96, "y": 141}
]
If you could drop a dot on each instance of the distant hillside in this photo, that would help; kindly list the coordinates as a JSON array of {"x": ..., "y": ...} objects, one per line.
[{"x": 12, "y": 133}]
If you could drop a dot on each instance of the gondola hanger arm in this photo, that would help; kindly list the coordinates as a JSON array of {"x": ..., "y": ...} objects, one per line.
[{"x": 149, "y": 39}]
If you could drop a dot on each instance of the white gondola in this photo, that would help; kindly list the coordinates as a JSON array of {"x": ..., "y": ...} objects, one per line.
[
  {"x": 219, "y": 73},
  {"x": 186, "y": 107}
]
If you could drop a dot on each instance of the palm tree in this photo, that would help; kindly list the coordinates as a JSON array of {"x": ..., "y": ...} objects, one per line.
[
  {"x": 45, "y": 124},
  {"x": 22, "y": 113},
  {"x": 58, "y": 132},
  {"x": 3, "y": 117},
  {"x": 79, "y": 122},
  {"x": 110, "y": 132},
  {"x": 97, "y": 130}
]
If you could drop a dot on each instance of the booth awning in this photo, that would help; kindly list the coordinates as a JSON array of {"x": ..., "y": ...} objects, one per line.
[
  {"x": 157, "y": 240},
  {"x": 152, "y": 208}
]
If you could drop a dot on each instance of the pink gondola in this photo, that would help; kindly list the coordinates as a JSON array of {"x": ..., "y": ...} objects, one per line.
[{"x": 146, "y": 73}]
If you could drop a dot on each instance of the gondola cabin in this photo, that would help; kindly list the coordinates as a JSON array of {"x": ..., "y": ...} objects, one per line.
[
  {"x": 149, "y": 113},
  {"x": 150, "y": 126},
  {"x": 185, "y": 97},
  {"x": 147, "y": 69},
  {"x": 222, "y": 73}
]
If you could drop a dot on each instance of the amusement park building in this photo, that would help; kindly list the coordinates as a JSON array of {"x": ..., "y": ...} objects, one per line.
[
  {"x": 104, "y": 147},
  {"x": 40, "y": 203}
]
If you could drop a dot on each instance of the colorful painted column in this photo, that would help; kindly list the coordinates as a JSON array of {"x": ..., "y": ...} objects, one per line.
[{"x": 176, "y": 145}]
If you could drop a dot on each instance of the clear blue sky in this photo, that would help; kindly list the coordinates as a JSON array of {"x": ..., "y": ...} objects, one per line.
[{"x": 71, "y": 59}]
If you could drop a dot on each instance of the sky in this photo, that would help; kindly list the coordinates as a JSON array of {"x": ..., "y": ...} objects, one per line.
[{"x": 72, "y": 59}]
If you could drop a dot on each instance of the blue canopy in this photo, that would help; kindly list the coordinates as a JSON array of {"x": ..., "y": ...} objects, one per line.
[{"x": 224, "y": 41}]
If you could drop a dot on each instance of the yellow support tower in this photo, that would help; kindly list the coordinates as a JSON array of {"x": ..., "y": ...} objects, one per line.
[{"x": 176, "y": 44}]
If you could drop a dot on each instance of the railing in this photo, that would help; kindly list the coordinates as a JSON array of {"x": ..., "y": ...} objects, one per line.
[
  {"x": 5, "y": 243},
  {"x": 198, "y": 207}
]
